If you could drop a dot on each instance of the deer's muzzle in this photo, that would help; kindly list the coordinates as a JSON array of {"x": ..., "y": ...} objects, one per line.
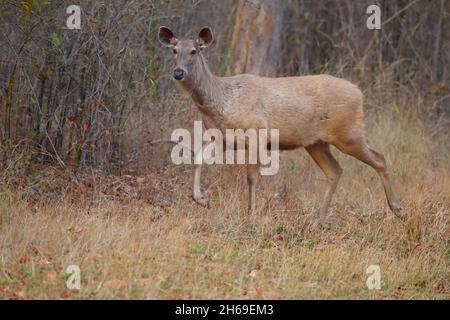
[{"x": 179, "y": 74}]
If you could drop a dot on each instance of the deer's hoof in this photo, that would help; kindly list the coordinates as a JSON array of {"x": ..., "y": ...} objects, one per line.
[
  {"x": 321, "y": 225},
  {"x": 325, "y": 222},
  {"x": 202, "y": 200},
  {"x": 397, "y": 210}
]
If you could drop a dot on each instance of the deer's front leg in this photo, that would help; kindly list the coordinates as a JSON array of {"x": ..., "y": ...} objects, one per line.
[{"x": 197, "y": 192}]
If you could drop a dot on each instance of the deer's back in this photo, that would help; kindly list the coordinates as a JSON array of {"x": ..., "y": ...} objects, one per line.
[{"x": 305, "y": 109}]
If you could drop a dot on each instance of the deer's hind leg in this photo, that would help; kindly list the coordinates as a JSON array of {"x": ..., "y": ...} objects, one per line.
[
  {"x": 361, "y": 151},
  {"x": 321, "y": 154},
  {"x": 252, "y": 179}
]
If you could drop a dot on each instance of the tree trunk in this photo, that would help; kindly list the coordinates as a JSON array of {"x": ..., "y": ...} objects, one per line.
[{"x": 256, "y": 41}]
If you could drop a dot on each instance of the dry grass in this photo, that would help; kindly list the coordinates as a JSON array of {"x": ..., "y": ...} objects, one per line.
[{"x": 144, "y": 238}]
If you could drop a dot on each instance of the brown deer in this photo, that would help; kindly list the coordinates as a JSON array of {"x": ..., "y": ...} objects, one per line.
[{"x": 313, "y": 112}]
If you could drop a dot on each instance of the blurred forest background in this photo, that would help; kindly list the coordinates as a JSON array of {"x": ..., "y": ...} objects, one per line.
[{"x": 95, "y": 97}]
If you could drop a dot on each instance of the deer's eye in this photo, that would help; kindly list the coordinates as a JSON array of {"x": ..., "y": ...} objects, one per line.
[
  {"x": 175, "y": 51},
  {"x": 193, "y": 51}
]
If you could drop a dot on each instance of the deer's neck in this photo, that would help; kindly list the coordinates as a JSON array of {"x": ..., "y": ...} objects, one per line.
[{"x": 205, "y": 88}]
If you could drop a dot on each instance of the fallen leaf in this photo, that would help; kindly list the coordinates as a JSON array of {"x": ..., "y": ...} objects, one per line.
[
  {"x": 52, "y": 275},
  {"x": 278, "y": 237},
  {"x": 19, "y": 295},
  {"x": 66, "y": 294},
  {"x": 23, "y": 258},
  {"x": 115, "y": 284},
  {"x": 42, "y": 261},
  {"x": 253, "y": 273},
  {"x": 85, "y": 127},
  {"x": 88, "y": 182},
  {"x": 259, "y": 293}
]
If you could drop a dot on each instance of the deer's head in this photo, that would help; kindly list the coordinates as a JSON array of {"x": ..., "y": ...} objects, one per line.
[{"x": 186, "y": 52}]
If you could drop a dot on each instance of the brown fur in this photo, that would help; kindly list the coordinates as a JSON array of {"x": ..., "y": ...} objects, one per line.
[{"x": 310, "y": 111}]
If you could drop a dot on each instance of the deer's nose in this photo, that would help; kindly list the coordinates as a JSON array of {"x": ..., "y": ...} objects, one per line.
[{"x": 178, "y": 74}]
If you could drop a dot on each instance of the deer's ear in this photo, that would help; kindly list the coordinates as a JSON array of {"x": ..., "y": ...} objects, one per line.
[
  {"x": 166, "y": 37},
  {"x": 205, "y": 37}
]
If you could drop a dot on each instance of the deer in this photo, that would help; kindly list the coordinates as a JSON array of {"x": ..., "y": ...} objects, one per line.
[{"x": 312, "y": 112}]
